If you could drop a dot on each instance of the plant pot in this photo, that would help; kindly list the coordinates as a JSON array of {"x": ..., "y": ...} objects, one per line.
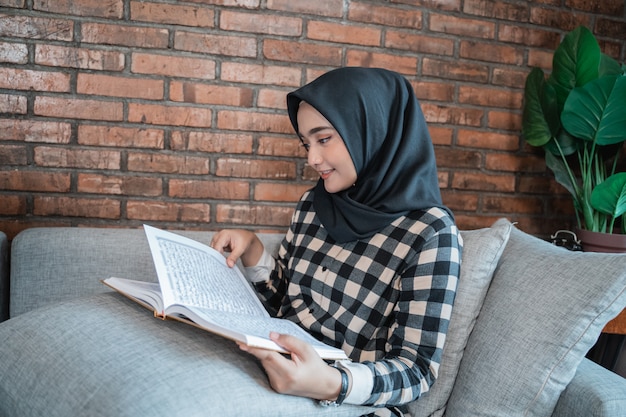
[{"x": 601, "y": 242}]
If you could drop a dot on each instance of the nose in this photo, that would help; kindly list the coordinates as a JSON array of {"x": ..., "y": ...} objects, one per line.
[{"x": 314, "y": 157}]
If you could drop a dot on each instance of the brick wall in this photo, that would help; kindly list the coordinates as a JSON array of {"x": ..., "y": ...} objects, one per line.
[{"x": 119, "y": 112}]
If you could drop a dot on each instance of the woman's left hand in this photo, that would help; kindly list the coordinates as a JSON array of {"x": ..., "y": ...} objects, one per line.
[{"x": 304, "y": 374}]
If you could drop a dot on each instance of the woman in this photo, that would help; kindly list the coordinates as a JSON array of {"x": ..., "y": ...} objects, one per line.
[{"x": 371, "y": 260}]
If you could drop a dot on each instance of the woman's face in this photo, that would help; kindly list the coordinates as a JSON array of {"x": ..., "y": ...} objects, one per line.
[{"x": 327, "y": 153}]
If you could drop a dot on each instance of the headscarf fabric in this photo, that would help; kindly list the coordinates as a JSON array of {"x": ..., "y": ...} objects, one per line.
[{"x": 376, "y": 113}]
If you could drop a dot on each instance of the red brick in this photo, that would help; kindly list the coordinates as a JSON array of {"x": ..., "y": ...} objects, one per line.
[
  {"x": 273, "y": 99},
  {"x": 509, "y": 78},
  {"x": 514, "y": 163},
  {"x": 452, "y": 115},
  {"x": 458, "y": 158},
  {"x": 453, "y": 25},
  {"x": 308, "y": 53},
  {"x": 210, "y": 94},
  {"x": 556, "y": 19},
  {"x": 516, "y": 12},
  {"x": 330, "y": 8},
  {"x": 14, "y": 53},
  {"x": 103, "y": 208},
  {"x": 256, "y": 215},
  {"x": 504, "y": 120},
  {"x": 216, "y": 44},
  {"x": 449, "y": 5},
  {"x": 36, "y": 28},
  {"x": 440, "y": 135},
  {"x": 261, "y": 74},
  {"x": 83, "y": 58},
  {"x": 433, "y": 91},
  {"x": 253, "y": 121},
  {"x": 173, "y": 66},
  {"x": 120, "y": 137},
  {"x": 169, "y": 115},
  {"x": 76, "y": 158},
  {"x": 251, "y": 168},
  {"x": 10, "y": 103},
  {"x": 21, "y": 180},
  {"x": 413, "y": 42},
  {"x": 78, "y": 109},
  {"x": 168, "y": 163},
  {"x": 614, "y": 28},
  {"x": 211, "y": 142},
  {"x": 95, "y": 8},
  {"x": 490, "y": 97},
  {"x": 528, "y": 37},
  {"x": 260, "y": 23},
  {"x": 541, "y": 59},
  {"x": 514, "y": 205},
  {"x": 23, "y": 79},
  {"x": 489, "y": 52},
  {"x": 13, "y": 155},
  {"x": 114, "y": 86},
  {"x": 386, "y": 16},
  {"x": 119, "y": 185},
  {"x": 605, "y": 7},
  {"x": 487, "y": 140},
  {"x": 443, "y": 178},
  {"x": 483, "y": 182},
  {"x": 172, "y": 14},
  {"x": 460, "y": 200},
  {"x": 13, "y": 3},
  {"x": 278, "y": 146},
  {"x": 133, "y": 36},
  {"x": 34, "y": 131},
  {"x": 209, "y": 189},
  {"x": 279, "y": 192},
  {"x": 168, "y": 211},
  {"x": 12, "y": 205},
  {"x": 341, "y": 33},
  {"x": 455, "y": 70},
  {"x": 402, "y": 64}
]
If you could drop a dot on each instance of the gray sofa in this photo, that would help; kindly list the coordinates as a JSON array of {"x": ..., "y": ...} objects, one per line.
[{"x": 526, "y": 313}]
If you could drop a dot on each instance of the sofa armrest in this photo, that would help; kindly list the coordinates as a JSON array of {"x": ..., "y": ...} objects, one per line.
[
  {"x": 594, "y": 392},
  {"x": 4, "y": 277}
]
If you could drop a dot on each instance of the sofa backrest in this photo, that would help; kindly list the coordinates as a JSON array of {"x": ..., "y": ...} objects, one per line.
[{"x": 49, "y": 265}]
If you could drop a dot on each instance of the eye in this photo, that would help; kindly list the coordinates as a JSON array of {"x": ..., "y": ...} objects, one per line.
[
  {"x": 324, "y": 140},
  {"x": 306, "y": 146}
]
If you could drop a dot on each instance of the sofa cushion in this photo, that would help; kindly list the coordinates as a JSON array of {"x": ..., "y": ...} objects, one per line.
[
  {"x": 482, "y": 249},
  {"x": 106, "y": 356},
  {"x": 545, "y": 308}
]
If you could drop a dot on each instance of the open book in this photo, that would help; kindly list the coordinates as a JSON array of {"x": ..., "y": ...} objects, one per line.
[{"x": 197, "y": 287}]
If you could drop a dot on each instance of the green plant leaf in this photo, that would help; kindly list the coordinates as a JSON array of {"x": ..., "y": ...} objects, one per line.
[
  {"x": 540, "y": 113},
  {"x": 561, "y": 175},
  {"x": 576, "y": 61},
  {"x": 596, "y": 111},
  {"x": 609, "y": 66},
  {"x": 609, "y": 197}
]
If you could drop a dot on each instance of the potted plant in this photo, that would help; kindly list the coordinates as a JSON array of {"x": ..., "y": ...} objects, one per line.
[{"x": 578, "y": 115}]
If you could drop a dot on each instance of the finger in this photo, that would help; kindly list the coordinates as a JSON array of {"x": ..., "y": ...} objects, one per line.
[{"x": 298, "y": 348}]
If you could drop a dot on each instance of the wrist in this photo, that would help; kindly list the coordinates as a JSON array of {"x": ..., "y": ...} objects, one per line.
[{"x": 339, "y": 394}]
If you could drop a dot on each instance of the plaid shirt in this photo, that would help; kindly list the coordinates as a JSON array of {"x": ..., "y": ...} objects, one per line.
[{"x": 386, "y": 300}]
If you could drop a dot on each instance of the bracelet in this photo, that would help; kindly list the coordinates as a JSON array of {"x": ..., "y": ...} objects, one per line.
[{"x": 343, "y": 391}]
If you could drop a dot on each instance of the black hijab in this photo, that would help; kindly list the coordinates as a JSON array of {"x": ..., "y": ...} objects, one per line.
[{"x": 376, "y": 113}]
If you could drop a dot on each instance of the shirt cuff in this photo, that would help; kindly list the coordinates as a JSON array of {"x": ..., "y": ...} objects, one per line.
[
  {"x": 361, "y": 382},
  {"x": 261, "y": 271}
]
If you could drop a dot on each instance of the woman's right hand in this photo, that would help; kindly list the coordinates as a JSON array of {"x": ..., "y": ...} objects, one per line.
[{"x": 242, "y": 244}]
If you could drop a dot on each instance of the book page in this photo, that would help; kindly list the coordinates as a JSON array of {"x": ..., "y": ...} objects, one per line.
[{"x": 194, "y": 274}]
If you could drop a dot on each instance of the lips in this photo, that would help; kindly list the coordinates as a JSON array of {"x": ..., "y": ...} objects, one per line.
[{"x": 325, "y": 174}]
